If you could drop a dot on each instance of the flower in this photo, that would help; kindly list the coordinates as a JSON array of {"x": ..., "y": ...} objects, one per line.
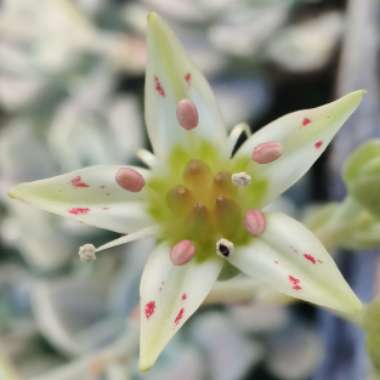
[{"x": 205, "y": 224}]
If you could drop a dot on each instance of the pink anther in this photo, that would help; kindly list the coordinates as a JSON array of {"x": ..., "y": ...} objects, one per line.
[
  {"x": 187, "y": 114},
  {"x": 267, "y": 152},
  {"x": 182, "y": 252},
  {"x": 255, "y": 222},
  {"x": 129, "y": 179}
]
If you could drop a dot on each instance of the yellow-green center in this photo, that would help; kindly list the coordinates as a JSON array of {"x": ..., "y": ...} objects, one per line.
[{"x": 194, "y": 198}]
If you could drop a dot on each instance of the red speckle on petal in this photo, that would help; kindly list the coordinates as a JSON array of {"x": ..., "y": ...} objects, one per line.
[
  {"x": 78, "y": 183},
  {"x": 306, "y": 121},
  {"x": 310, "y": 258},
  {"x": 295, "y": 282},
  {"x": 293, "y": 279},
  {"x": 188, "y": 78},
  {"x": 79, "y": 210},
  {"x": 179, "y": 316},
  {"x": 158, "y": 87},
  {"x": 184, "y": 297},
  {"x": 318, "y": 144},
  {"x": 149, "y": 309}
]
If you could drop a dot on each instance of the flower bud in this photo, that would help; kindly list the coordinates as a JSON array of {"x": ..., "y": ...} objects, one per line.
[{"x": 361, "y": 174}]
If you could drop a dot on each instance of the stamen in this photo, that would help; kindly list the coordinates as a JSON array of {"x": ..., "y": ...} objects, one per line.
[
  {"x": 187, "y": 114},
  {"x": 241, "y": 179},
  {"x": 255, "y": 222},
  {"x": 179, "y": 199},
  {"x": 182, "y": 252},
  {"x": 130, "y": 179},
  {"x": 224, "y": 247},
  {"x": 196, "y": 174},
  {"x": 267, "y": 152},
  {"x": 87, "y": 253}
]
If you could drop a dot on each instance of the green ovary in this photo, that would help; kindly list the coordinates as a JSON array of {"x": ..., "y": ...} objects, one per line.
[{"x": 194, "y": 198}]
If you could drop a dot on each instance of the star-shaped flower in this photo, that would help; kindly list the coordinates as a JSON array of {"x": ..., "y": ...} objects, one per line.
[{"x": 204, "y": 203}]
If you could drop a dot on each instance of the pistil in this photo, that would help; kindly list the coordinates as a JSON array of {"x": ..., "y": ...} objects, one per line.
[
  {"x": 227, "y": 216},
  {"x": 222, "y": 184},
  {"x": 197, "y": 174},
  {"x": 180, "y": 199}
]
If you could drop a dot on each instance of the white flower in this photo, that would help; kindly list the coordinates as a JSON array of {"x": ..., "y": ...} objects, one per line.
[{"x": 187, "y": 198}]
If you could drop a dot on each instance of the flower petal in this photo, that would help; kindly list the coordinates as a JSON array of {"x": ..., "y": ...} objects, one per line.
[
  {"x": 91, "y": 195},
  {"x": 303, "y": 135},
  {"x": 169, "y": 296},
  {"x": 290, "y": 259},
  {"x": 171, "y": 77}
]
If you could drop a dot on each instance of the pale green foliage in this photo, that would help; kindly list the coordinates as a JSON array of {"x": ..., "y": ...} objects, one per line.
[{"x": 362, "y": 176}]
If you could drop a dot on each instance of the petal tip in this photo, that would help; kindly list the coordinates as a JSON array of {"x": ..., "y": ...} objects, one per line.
[
  {"x": 19, "y": 192},
  {"x": 145, "y": 364},
  {"x": 143, "y": 368},
  {"x": 13, "y": 193},
  {"x": 153, "y": 19},
  {"x": 357, "y": 95}
]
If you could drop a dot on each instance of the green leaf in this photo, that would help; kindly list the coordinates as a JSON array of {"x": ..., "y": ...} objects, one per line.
[{"x": 361, "y": 174}]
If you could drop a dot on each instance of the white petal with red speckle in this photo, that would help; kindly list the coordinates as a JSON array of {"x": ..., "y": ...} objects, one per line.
[
  {"x": 304, "y": 136},
  {"x": 288, "y": 258},
  {"x": 91, "y": 196},
  {"x": 171, "y": 77},
  {"x": 169, "y": 295}
]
